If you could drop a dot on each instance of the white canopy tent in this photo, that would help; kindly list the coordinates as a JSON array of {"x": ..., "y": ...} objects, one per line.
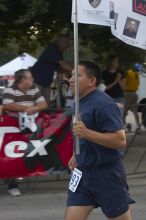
[{"x": 21, "y": 62}]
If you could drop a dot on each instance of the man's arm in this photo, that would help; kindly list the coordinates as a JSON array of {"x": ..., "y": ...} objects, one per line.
[
  {"x": 111, "y": 140},
  {"x": 1, "y": 112},
  {"x": 41, "y": 106},
  {"x": 14, "y": 107},
  {"x": 122, "y": 83},
  {"x": 66, "y": 66},
  {"x": 38, "y": 107},
  {"x": 9, "y": 103},
  {"x": 72, "y": 162},
  {"x": 109, "y": 86}
]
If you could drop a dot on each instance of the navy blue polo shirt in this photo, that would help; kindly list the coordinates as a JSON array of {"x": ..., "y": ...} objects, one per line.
[
  {"x": 100, "y": 113},
  {"x": 43, "y": 70}
]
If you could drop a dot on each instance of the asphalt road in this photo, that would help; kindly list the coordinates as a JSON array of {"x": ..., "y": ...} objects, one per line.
[{"x": 46, "y": 201}]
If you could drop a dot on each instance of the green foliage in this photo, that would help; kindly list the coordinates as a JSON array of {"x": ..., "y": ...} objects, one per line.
[{"x": 31, "y": 21}]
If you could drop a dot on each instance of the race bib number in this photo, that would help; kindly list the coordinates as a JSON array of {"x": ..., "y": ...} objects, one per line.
[{"x": 75, "y": 179}]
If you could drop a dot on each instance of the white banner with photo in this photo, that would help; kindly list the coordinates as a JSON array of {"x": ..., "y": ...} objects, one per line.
[
  {"x": 94, "y": 12},
  {"x": 130, "y": 22},
  {"x": 126, "y": 18}
]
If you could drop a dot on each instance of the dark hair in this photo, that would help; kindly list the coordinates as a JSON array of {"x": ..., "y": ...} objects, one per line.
[
  {"x": 61, "y": 37},
  {"x": 110, "y": 59},
  {"x": 19, "y": 75},
  {"x": 92, "y": 69}
]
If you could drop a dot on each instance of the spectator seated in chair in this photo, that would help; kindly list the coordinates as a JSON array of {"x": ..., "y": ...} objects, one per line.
[{"x": 22, "y": 97}]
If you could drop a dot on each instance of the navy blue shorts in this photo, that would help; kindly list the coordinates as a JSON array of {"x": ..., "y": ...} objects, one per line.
[{"x": 103, "y": 187}]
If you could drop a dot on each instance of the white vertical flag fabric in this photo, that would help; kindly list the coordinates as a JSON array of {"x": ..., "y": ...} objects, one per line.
[
  {"x": 130, "y": 22},
  {"x": 94, "y": 12},
  {"x": 126, "y": 18}
]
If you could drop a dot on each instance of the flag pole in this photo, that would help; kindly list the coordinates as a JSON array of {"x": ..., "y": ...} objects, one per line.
[{"x": 76, "y": 60}]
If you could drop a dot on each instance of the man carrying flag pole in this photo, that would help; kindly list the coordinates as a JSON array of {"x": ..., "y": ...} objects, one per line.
[{"x": 98, "y": 173}]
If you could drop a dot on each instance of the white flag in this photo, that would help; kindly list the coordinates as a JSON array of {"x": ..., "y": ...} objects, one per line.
[
  {"x": 130, "y": 22},
  {"x": 94, "y": 12},
  {"x": 126, "y": 18}
]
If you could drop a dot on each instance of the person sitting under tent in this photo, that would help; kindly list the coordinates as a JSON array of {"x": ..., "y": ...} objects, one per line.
[{"x": 22, "y": 97}]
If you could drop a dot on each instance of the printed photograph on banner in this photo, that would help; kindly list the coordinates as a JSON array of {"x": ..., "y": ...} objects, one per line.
[
  {"x": 139, "y": 6},
  {"x": 94, "y": 3},
  {"x": 131, "y": 27},
  {"x": 111, "y": 15}
]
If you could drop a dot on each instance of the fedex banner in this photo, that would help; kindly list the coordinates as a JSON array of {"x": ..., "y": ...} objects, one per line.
[
  {"x": 27, "y": 154},
  {"x": 126, "y": 18}
]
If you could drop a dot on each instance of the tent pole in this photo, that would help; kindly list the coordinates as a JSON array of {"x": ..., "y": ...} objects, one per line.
[{"x": 77, "y": 148}]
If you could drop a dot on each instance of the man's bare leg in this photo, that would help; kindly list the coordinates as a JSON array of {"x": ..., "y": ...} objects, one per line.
[
  {"x": 125, "y": 216},
  {"x": 78, "y": 212}
]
